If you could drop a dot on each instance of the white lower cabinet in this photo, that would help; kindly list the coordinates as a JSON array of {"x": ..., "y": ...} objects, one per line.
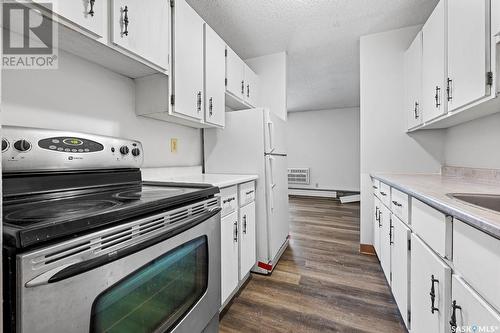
[
  {"x": 229, "y": 255},
  {"x": 385, "y": 241},
  {"x": 376, "y": 225},
  {"x": 247, "y": 239},
  {"x": 469, "y": 312},
  {"x": 400, "y": 266},
  {"x": 430, "y": 290}
]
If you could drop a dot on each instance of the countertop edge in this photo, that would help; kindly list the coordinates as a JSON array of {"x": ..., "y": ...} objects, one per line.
[
  {"x": 233, "y": 180},
  {"x": 459, "y": 214}
]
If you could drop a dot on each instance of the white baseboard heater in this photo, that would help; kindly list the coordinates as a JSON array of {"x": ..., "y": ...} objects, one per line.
[{"x": 312, "y": 193}]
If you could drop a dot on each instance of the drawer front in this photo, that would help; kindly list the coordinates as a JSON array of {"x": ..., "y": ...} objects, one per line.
[
  {"x": 385, "y": 194},
  {"x": 400, "y": 205},
  {"x": 247, "y": 193},
  {"x": 434, "y": 227},
  {"x": 229, "y": 200},
  {"x": 471, "y": 310},
  {"x": 376, "y": 186},
  {"x": 476, "y": 257}
]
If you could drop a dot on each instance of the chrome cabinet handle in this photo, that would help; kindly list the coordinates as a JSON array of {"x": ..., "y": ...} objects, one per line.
[
  {"x": 380, "y": 218},
  {"x": 453, "y": 320},
  {"x": 391, "y": 241},
  {"x": 416, "y": 111},
  {"x": 242, "y": 87},
  {"x": 245, "y": 224},
  {"x": 91, "y": 11},
  {"x": 436, "y": 97},
  {"x": 397, "y": 204},
  {"x": 248, "y": 90},
  {"x": 383, "y": 193},
  {"x": 198, "y": 101},
  {"x": 448, "y": 89},
  {"x": 250, "y": 192},
  {"x": 433, "y": 294},
  {"x": 376, "y": 213},
  {"x": 125, "y": 21},
  {"x": 229, "y": 200},
  {"x": 235, "y": 238},
  {"x": 211, "y": 106}
]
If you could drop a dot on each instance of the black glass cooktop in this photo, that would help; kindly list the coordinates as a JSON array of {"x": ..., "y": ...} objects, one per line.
[{"x": 48, "y": 217}]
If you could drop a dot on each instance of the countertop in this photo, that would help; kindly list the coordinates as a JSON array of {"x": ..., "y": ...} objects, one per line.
[
  {"x": 219, "y": 180},
  {"x": 433, "y": 190}
]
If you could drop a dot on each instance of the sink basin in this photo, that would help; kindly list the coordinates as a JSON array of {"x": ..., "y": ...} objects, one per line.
[{"x": 488, "y": 201}]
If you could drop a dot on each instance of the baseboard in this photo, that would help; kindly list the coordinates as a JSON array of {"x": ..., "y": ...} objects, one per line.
[
  {"x": 312, "y": 193},
  {"x": 367, "y": 249}
]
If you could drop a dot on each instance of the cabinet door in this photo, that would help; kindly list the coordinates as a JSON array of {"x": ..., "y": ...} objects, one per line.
[
  {"x": 146, "y": 33},
  {"x": 413, "y": 78},
  {"x": 247, "y": 244},
  {"x": 385, "y": 241},
  {"x": 376, "y": 225},
  {"x": 400, "y": 266},
  {"x": 251, "y": 86},
  {"x": 229, "y": 255},
  {"x": 429, "y": 275},
  {"x": 468, "y": 63},
  {"x": 188, "y": 61},
  {"x": 215, "y": 72},
  {"x": 235, "y": 74},
  {"x": 470, "y": 309},
  {"x": 433, "y": 64},
  {"x": 88, "y": 15}
]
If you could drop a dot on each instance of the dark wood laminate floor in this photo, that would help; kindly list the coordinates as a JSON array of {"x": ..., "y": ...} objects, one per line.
[{"x": 321, "y": 284}]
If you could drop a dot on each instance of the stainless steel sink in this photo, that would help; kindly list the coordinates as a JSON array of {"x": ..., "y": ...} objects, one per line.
[{"x": 488, "y": 201}]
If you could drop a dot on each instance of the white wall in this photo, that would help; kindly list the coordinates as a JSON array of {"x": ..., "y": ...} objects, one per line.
[
  {"x": 326, "y": 141},
  {"x": 385, "y": 146},
  {"x": 272, "y": 71},
  {"x": 474, "y": 144},
  {"x": 85, "y": 97}
]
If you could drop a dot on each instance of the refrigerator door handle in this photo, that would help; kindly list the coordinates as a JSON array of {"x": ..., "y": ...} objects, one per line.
[
  {"x": 270, "y": 126},
  {"x": 272, "y": 184}
]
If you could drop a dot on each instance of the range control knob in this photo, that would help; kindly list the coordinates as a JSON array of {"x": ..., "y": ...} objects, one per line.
[
  {"x": 136, "y": 152},
  {"x": 5, "y": 144},
  {"x": 124, "y": 150},
  {"x": 22, "y": 145}
]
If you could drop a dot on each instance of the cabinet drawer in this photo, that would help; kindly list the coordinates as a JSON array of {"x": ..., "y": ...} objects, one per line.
[
  {"x": 385, "y": 194},
  {"x": 472, "y": 311},
  {"x": 434, "y": 227},
  {"x": 399, "y": 205},
  {"x": 229, "y": 200},
  {"x": 476, "y": 256},
  {"x": 247, "y": 193},
  {"x": 376, "y": 186}
]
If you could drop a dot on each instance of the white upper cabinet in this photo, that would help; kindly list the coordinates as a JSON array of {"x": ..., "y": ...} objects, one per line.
[
  {"x": 142, "y": 27},
  {"x": 87, "y": 14},
  {"x": 188, "y": 61},
  {"x": 468, "y": 52},
  {"x": 235, "y": 74},
  {"x": 413, "y": 86},
  {"x": 251, "y": 86},
  {"x": 434, "y": 64},
  {"x": 215, "y": 65}
]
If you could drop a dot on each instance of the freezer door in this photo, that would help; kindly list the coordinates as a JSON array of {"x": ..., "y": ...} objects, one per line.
[
  {"x": 277, "y": 203},
  {"x": 274, "y": 133}
]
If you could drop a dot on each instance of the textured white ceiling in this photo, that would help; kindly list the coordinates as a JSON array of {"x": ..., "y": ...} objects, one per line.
[{"x": 320, "y": 36}]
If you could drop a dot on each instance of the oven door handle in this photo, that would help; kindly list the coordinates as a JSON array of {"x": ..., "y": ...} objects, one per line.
[{"x": 84, "y": 266}]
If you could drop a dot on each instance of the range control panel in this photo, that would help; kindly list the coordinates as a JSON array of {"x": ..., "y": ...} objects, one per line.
[{"x": 27, "y": 149}]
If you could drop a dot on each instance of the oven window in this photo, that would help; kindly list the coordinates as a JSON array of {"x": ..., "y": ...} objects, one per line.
[{"x": 157, "y": 294}]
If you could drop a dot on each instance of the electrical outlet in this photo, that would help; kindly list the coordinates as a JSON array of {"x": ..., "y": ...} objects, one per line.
[
  {"x": 173, "y": 145},
  {"x": 317, "y": 185}
]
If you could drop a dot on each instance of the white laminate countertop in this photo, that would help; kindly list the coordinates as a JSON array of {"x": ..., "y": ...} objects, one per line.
[
  {"x": 434, "y": 190},
  {"x": 219, "y": 180}
]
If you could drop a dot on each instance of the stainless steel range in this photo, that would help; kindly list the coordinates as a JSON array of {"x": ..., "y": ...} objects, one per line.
[{"x": 89, "y": 247}]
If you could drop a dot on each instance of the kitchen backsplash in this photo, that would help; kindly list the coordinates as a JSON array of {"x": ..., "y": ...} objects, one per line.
[{"x": 85, "y": 97}]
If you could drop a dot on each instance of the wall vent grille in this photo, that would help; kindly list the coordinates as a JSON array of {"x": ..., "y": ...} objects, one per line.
[{"x": 299, "y": 176}]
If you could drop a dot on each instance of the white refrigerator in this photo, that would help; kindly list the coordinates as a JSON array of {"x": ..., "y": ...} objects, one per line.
[{"x": 254, "y": 142}]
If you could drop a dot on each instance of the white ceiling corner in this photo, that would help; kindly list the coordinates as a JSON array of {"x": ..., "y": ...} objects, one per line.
[{"x": 321, "y": 38}]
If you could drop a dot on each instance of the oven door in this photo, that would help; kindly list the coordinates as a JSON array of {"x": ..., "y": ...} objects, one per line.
[{"x": 158, "y": 274}]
